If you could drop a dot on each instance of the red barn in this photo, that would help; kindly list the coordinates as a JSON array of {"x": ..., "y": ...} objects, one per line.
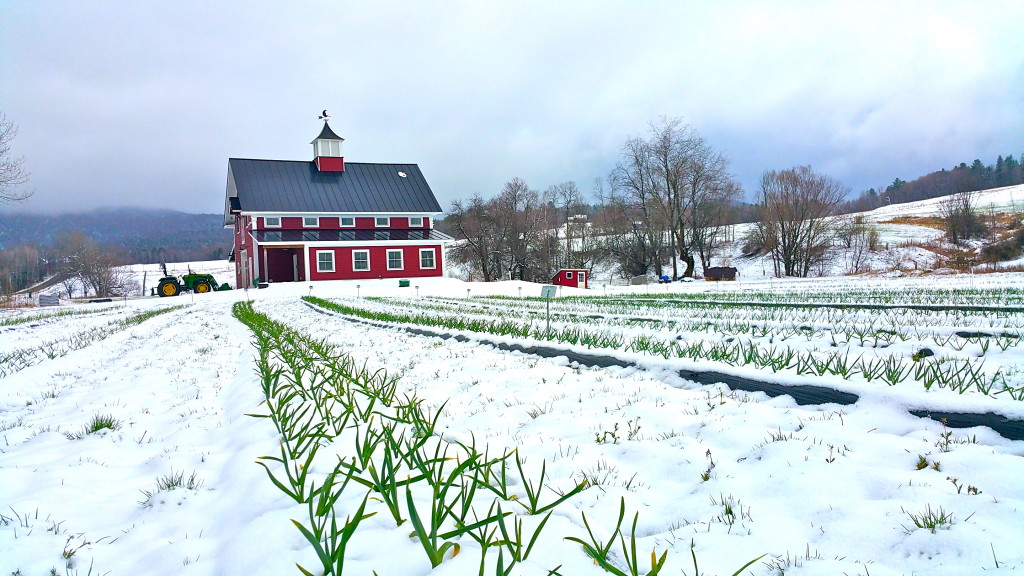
[
  {"x": 298, "y": 221},
  {"x": 575, "y": 277}
]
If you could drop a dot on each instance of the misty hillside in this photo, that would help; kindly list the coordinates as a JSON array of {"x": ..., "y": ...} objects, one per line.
[{"x": 145, "y": 235}]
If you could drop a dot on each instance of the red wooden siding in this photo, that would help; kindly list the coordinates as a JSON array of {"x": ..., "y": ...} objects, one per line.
[
  {"x": 330, "y": 164},
  {"x": 563, "y": 279},
  {"x": 334, "y": 222},
  {"x": 378, "y": 263},
  {"x": 243, "y": 249},
  {"x": 289, "y": 263}
]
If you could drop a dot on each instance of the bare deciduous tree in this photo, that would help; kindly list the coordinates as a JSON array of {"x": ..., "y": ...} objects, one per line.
[
  {"x": 84, "y": 264},
  {"x": 712, "y": 192},
  {"x": 625, "y": 238},
  {"x": 960, "y": 212},
  {"x": 635, "y": 211},
  {"x": 507, "y": 237},
  {"x": 103, "y": 275},
  {"x": 670, "y": 145},
  {"x": 859, "y": 239},
  {"x": 477, "y": 237},
  {"x": 528, "y": 249},
  {"x": 795, "y": 226},
  {"x": 678, "y": 176},
  {"x": 12, "y": 170},
  {"x": 568, "y": 199}
]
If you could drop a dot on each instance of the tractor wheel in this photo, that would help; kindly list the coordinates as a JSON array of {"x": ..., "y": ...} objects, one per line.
[
  {"x": 168, "y": 288},
  {"x": 202, "y": 287}
]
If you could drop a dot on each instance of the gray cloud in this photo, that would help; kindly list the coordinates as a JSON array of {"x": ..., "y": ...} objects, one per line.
[{"x": 123, "y": 103}]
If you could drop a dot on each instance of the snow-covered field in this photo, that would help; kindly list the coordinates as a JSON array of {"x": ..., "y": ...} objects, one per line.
[
  {"x": 128, "y": 442},
  {"x": 817, "y": 489},
  {"x": 894, "y": 257},
  {"x": 1006, "y": 199}
]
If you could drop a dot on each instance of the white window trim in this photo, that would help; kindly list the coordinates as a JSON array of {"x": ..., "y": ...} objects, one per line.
[
  {"x": 401, "y": 257},
  {"x": 341, "y": 222},
  {"x": 568, "y": 275},
  {"x": 377, "y": 219},
  {"x": 315, "y": 224},
  {"x": 411, "y": 225},
  {"x": 267, "y": 224},
  {"x": 318, "y": 253},
  {"x": 354, "y": 252},
  {"x": 433, "y": 254}
]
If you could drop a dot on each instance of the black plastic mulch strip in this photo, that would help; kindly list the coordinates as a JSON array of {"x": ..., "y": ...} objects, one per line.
[
  {"x": 1009, "y": 429},
  {"x": 965, "y": 334},
  {"x": 803, "y": 394}
]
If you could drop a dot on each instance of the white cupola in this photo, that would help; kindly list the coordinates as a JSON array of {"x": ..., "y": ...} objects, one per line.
[{"x": 327, "y": 151}]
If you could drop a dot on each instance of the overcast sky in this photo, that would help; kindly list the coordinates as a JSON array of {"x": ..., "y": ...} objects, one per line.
[{"x": 142, "y": 103}]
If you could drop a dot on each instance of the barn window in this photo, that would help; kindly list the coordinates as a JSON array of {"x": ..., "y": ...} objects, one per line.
[
  {"x": 330, "y": 148},
  {"x": 383, "y": 222},
  {"x": 360, "y": 260},
  {"x": 427, "y": 261},
  {"x": 568, "y": 275},
  {"x": 311, "y": 222},
  {"x": 325, "y": 261},
  {"x": 415, "y": 222},
  {"x": 394, "y": 259},
  {"x": 272, "y": 221},
  {"x": 348, "y": 221}
]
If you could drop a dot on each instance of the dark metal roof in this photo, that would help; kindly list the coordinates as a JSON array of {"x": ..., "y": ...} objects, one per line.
[
  {"x": 294, "y": 186},
  {"x": 327, "y": 134},
  {"x": 348, "y": 235}
]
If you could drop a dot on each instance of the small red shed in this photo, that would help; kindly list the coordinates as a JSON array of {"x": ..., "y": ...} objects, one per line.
[{"x": 575, "y": 277}]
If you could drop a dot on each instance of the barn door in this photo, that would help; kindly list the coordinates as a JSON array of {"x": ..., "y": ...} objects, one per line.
[{"x": 582, "y": 276}]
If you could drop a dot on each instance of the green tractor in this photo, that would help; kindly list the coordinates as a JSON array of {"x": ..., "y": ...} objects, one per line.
[{"x": 198, "y": 283}]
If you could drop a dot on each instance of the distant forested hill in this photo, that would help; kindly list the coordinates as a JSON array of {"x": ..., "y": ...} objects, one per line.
[
  {"x": 1006, "y": 171},
  {"x": 144, "y": 235}
]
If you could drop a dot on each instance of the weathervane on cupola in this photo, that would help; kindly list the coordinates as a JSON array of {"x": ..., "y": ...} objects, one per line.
[{"x": 327, "y": 149}]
